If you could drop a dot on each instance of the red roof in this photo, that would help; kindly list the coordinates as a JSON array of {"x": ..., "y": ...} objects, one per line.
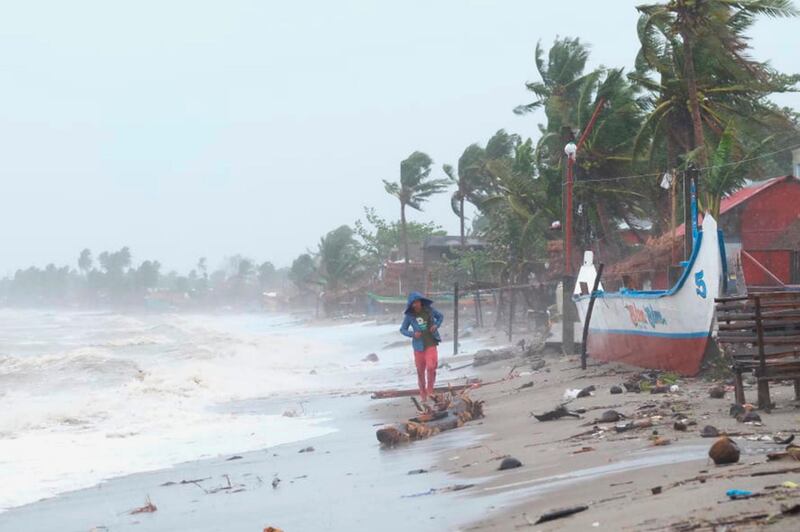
[{"x": 742, "y": 195}]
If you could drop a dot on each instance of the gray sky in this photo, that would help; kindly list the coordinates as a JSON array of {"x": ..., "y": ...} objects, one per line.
[{"x": 198, "y": 128}]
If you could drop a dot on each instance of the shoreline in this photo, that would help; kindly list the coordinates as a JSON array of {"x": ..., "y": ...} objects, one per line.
[{"x": 349, "y": 482}]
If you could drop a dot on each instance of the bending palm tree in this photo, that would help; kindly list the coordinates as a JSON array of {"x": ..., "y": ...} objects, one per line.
[{"x": 414, "y": 188}]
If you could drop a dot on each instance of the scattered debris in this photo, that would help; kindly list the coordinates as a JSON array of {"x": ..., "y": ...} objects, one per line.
[
  {"x": 192, "y": 481},
  {"x": 275, "y": 482},
  {"x": 272, "y": 529},
  {"x": 306, "y": 450},
  {"x": 558, "y": 514},
  {"x": 148, "y": 508},
  {"x": 659, "y": 441},
  {"x": 417, "y": 471},
  {"x": 610, "y": 416},
  {"x": 487, "y": 356},
  {"x": 616, "y": 390},
  {"x": 372, "y": 357},
  {"x": 659, "y": 389},
  {"x": 538, "y": 364},
  {"x": 792, "y": 452},
  {"x": 509, "y": 463},
  {"x": 790, "y": 510},
  {"x": 235, "y": 457},
  {"x": 583, "y": 450},
  {"x": 783, "y": 441},
  {"x": 679, "y": 425},
  {"x": 635, "y": 424},
  {"x": 709, "y": 431},
  {"x": 748, "y": 417},
  {"x": 717, "y": 392},
  {"x": 724, "y": 451},
  {"x": 557, "y": 413},
  {"x": 526, "y": 385},
  {"x": 656, "y": 490},
  {"x": 312, "y": 372},
  {"x": 738, "y": 494}
]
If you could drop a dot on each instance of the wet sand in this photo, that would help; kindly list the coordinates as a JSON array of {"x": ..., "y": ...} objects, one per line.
[
  {"x": 614, "y": 473},
  {"x": 346, "y": 483}
]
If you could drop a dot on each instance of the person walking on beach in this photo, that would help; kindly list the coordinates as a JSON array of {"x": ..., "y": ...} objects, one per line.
[{"x": 421, "y": 323}]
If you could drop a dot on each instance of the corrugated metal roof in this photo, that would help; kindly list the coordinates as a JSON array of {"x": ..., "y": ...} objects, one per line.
[{"x": 742, "y": 195}]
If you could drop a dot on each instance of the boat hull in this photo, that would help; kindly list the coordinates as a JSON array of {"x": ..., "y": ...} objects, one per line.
[{"x": 666, "y": 330}]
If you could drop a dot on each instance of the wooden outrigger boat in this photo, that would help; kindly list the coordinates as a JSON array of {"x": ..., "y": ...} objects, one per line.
[{"x": 658, "y": 329}]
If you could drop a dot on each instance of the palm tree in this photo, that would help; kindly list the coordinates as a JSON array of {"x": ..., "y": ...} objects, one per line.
[
  {"x": 338, "y": 258},
  {"x": 85, "y": 261},
  {"x": 414, "y": 188},
  {"x": 730, "y": 169},
  {"x": 568, "y": 97},
  {"x": 702, "y": 54}
]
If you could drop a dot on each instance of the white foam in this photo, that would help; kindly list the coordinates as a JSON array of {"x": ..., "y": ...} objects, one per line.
[{"x": 102, "y": 395}]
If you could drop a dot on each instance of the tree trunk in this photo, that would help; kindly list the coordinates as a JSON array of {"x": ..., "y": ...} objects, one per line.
[
  {"x": 461, "y": 210},
  {"x": 694, "y": 102},
  {"x": 405, "y": 240}
]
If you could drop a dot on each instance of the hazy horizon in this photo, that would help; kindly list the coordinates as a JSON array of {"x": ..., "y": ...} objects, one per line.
[{"x": 200, "y": 129}]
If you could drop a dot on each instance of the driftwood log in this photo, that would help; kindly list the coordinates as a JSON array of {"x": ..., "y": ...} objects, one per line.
[
  {"x": 449, "y": 412},
  {"x": 390, "y": 394}
]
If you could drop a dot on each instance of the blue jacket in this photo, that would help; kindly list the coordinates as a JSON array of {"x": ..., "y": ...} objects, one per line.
[{"x": 409, "y": 322}]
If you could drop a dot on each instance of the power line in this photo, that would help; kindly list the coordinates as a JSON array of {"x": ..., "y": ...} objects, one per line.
[{"x": 658, "y": 174}]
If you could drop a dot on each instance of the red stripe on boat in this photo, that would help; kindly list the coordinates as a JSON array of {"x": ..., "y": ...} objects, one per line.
[{"x": 681, "y": 355}]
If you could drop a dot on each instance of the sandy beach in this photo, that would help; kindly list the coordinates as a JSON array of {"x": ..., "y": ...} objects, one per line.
[{"x": 342, "y": 479}]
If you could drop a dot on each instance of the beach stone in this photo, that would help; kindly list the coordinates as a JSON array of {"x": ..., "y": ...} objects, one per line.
[
  {"x": 610, "y": 416},
  {"x": 538, "y": 364},
  {"x": 586, "y": 392},
  {"x": 372, "y": 357},
  {"x": 312, "y": 372},
  {"x": 709, "y": 431},
  {"x": 724, "y": 451},
  {"x": 717, "y": 392},
  {"x": 679, "y": 425},
  {"x": 616, "y": 390},
  {"x": 509, "y": 463}
]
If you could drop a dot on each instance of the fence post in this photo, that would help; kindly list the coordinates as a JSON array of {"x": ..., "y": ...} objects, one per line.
[
  {"x": 510, "y": 313},
  {"x": 478, "y": 308},
  {"x": 763, "y": 385},
  {"x": 455, "y": 319}
]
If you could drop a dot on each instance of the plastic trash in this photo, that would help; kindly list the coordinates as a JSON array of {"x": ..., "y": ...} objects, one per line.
[{"x": 738, "y": 494}]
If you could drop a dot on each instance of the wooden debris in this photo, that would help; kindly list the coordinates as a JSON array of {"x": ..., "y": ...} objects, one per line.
[
  {"x": 449, "y": 412},
  {"x": 410, "y": 392},
  {"x": 557, "y": 413},
  {"x": 792, "y": 452},
  {"x": 558, "y": 514},
  {"x": 148, "y": 508}
]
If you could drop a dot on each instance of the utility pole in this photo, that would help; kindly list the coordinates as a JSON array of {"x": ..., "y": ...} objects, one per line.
[{"x": 568, "y": 281}]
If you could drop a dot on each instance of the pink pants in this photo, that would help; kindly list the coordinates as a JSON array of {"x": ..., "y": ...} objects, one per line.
[{"x": 426, "y": 362}]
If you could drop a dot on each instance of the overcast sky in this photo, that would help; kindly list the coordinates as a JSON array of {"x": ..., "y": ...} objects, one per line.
[{"x": 207, "y": 128}]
